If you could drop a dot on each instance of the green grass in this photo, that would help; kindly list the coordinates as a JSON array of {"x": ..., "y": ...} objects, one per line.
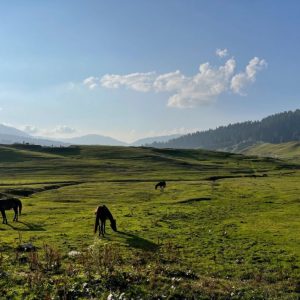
[
  {"x": 236, "y": 237},
  {"x": 289, "y": 151}
]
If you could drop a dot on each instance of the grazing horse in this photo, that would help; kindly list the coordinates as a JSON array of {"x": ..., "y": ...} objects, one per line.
[
  {"x": 102, "y": 214},
  {"x": 10, "y": 203},
  {"x": 161, "y": 185}
]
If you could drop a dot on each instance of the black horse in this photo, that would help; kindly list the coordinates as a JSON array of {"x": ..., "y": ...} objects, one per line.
[
  {"x": 161, "y": 185},
  {"x": 102, "y": 214},
  {"x": 10, "y": 203}
]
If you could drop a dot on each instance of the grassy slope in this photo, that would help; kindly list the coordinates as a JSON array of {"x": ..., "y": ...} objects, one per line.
[
  {"x": 240, "y": 230},
  {"x": 288, "y": 151}
]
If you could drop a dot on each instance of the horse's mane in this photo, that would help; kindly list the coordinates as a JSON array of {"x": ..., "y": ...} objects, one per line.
[
  {"x": 12, "y": 200},
  {"x": 108, "y": 213}
]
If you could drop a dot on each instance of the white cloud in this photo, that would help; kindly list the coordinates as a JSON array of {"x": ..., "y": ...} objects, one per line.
[
  {"x": 186, "y": 91},
  {"x": 203, "y": 87},
  {"x": 91, "y": 82},
  {"x": 169, "y": 82},
  {"x": 141, "y": 82},
  {"x": 241, "y": 80},
  {"x": 63, "y": 129},
  {"x": 222, "y": 52},
  {"x": 58, "y": 131}
]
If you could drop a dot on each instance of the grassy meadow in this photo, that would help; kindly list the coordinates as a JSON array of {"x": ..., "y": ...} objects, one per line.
[
  {"x": 289, "y": 151},
  {"x": 226, "y": 227}
]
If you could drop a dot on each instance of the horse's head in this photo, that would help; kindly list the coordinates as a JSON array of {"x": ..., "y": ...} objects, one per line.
[{"x": 113, "y": 225}]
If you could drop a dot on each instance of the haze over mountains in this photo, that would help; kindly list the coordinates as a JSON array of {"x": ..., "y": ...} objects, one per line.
[
  {"x": 96, "y": 139},
  {"x": 7, "y": 130},
  {"x": 11, "y": 135},
  {"x": 278, "y": 128},
  {"x": 159, "y": 139}
]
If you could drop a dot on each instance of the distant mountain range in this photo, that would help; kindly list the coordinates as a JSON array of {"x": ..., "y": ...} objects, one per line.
[
  {"x": 11, "y": 131},
  {"x": 11, "y": 135},
  {"x": 13, "y": 139},
  {"x": 94, "y": 139},
  {"x": 278, "y": 128}
]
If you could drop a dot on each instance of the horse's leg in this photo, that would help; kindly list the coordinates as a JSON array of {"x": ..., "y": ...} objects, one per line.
[
  {"x": 16, "y": 214},
  {"x": 4, "y": 216},
  {"x": 101, "y": 228},
  {"x": 104, "y": 228}
]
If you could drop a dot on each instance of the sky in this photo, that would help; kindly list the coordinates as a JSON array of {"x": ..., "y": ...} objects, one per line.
[{"x": 139, "y": 68}]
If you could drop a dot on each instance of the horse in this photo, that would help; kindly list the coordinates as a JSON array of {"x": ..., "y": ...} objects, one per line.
[
  {"x": 102, "y": 214},
  {"x": 161, "y": 185},
  {"x": 10, "y": 203}
]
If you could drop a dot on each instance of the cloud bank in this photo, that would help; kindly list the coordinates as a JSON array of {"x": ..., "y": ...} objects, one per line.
[
  {"x": 58, "y": 131},
  {"x": 187, "y": 91},
  {"x": 64, "y": 129}
]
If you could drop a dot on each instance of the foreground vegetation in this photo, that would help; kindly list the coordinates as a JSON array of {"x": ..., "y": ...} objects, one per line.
[{"x": 226, "y": 227}]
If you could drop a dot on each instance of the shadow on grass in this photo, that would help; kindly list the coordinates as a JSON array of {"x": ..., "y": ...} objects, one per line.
[
  {"x": 194, "y": 200},
  {"x": 30, "y": 227},
  {"x": 138, "y": 242}
]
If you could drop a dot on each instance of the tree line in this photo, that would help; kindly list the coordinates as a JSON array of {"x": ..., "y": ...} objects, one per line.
[{"x": 278, "y": 128}]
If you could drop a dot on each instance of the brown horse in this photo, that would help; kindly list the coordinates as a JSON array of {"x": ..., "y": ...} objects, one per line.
[
  {"x": 10, "y": 203},
  {"x": 161, "y": 185},
  {"x": 102, "y": 214}
]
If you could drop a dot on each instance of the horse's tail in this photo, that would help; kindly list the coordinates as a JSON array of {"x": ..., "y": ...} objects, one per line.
[
  {"x": 156, "y": 186},
  {"x": 97, "y": 221}
]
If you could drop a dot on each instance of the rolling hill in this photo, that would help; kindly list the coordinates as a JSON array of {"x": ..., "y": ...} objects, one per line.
[
  {"x": 288, "y": 151},
  {"x": 225, "y": 225}
]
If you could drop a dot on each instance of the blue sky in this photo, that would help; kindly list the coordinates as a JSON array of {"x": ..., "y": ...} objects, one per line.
[{"x": 130, "y": 69}]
